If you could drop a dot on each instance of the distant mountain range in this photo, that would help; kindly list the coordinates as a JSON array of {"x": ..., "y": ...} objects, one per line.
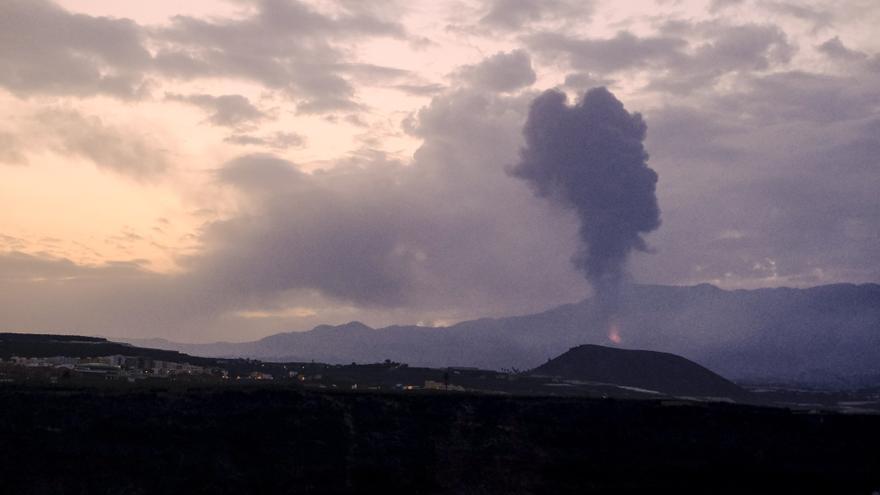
[{"x": 826, "y": 334}]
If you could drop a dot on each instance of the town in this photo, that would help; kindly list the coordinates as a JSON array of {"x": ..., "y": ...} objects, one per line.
[
  {"x": 385, "y": 376},
  {"x": 52, "y": 359}
]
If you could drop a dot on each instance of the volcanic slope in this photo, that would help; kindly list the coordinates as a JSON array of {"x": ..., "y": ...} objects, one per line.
[{"x": 658, "y": 371}]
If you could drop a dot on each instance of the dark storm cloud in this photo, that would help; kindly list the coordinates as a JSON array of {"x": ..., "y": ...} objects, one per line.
[
  {"x": 47, "y": 50},
  {"x": 226, "y": 110},
  {"x": 589, "y": 158},
  {"x": 500, "y": 72}
]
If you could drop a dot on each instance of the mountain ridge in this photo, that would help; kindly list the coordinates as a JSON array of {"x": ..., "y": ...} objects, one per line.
[{"x": 742, "y": 333}]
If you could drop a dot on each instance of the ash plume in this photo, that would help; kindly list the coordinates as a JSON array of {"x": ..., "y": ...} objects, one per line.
[{"x": 589, "y": 158}]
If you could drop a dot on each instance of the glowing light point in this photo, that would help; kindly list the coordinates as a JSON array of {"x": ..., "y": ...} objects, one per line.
[{"x": 614, "y": 334}]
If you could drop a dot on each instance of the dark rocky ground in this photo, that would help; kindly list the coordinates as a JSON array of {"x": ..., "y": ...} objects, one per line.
[{"x": 275, "y": 439}]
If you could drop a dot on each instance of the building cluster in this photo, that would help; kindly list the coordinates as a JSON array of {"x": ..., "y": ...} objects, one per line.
[
  {"x": 259, "y": 375},
  {"x": 114, "y": 366},
  {"x": 387, "y": 376},
  {"x": 435, "y": 385}
]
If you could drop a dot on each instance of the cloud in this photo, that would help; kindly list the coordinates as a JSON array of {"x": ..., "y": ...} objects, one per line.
[
  {"x": 371, "y": 233},
  {"x": 835, "y": 49},
  {"x": 423, "y": 89},
  {"x": 451, "y": 236},
  {"x": 581, "y": 81},
  {"x": 306, "y": 233},
  {"x": 500, "y": 72},
  {"x": 47, "y": 50},
  {"x": 19, "y": 266},
  {"x": 11, "y": 149},
  {"x": 719, "y": 5},
  {"x": 372, "y": 74},
  {"x": 623, "y": 51},
  {"x": 108, "y": 147},
  {"x": 798, "y": 95},
  {"x": 278, "y": 140},
  {"x": 682, "y": 132},
  {"x": 819, "y": 19},
  {"x": 50, "y": 294},
  {"x": 739, "y": 47},
  {"x": 447, "y": 231},
  {"x": 70, "y": 133},
  {"x": 226, "y": 110},
  {"x": 283, "y": 45},
  {"x": 726, "y": 50},
  {"x": 683, "y": 56},
  {"x": 788, "y": 162},
  {"x": 515, "y": 14},
  {"x": 768, "y": 165},
  {"x": 447, "y": 236}
]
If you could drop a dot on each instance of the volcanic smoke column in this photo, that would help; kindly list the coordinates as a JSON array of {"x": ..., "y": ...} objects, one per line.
[{"x": 589, "y": 158}]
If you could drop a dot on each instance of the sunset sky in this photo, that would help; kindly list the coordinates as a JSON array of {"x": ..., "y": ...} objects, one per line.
[{"x": 223, "y": 170}]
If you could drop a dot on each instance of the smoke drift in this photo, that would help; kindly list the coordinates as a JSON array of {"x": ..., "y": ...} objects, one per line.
[{"x": 589, "y": 158}]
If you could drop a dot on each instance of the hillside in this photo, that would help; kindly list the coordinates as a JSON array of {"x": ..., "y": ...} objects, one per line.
[
  {"x": 46, "y": 345},
  {"x": 649, "y": 370}
]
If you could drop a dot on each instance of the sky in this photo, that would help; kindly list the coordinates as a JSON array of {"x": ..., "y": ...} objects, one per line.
[{"x": 228, "y": 169}]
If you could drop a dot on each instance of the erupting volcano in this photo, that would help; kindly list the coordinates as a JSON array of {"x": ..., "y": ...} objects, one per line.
[{"x": 589, "y": 158}]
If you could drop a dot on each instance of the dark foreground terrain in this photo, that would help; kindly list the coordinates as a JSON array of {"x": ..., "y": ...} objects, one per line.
[{"x": 274, "y": 439}]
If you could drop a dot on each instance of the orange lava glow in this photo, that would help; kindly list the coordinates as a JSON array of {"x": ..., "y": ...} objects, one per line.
[{"x": 614, "y": 333}]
